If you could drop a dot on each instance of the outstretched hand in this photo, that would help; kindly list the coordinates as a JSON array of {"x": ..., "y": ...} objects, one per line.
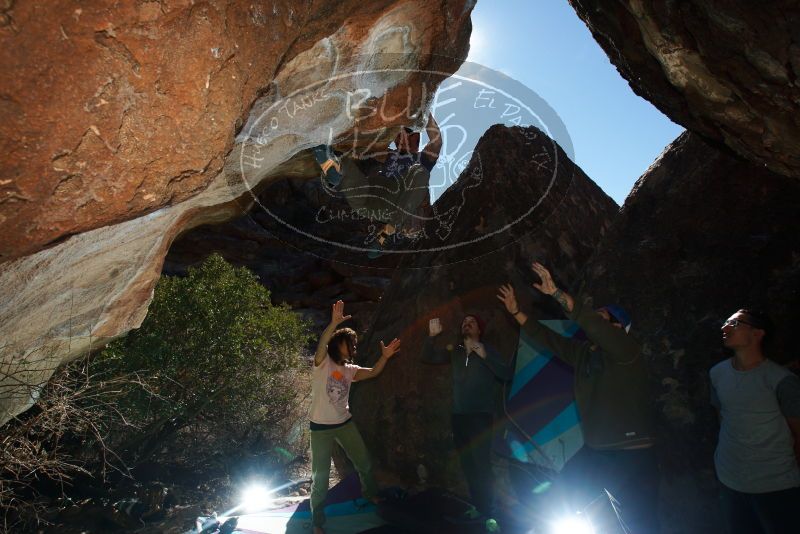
[
  {"x": 337, "y": 313},
  {"x": 434, "y": 327},
  {"x": 507, "y": 296},
  {"x": 547, "y": 286},
  {"x": 387, "y": 351}
]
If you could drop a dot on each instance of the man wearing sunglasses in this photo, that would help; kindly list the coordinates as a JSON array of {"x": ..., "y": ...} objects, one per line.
[{"x": 756, "y": 459}]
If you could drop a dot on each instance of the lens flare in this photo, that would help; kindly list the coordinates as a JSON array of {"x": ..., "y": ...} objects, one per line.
[
  {"x": 573, "y": 525},
  {"x": 255, "y": 497}
]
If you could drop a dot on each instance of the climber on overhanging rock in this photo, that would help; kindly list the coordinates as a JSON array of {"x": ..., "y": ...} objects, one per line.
[
  {"x": 475, "y": 368},
  {"x": 613, "y": 400},
  {"x": 391, "y": 188}
]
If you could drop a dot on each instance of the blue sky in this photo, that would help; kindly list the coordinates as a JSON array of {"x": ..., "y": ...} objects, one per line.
[{"x": 543, "y": 44}]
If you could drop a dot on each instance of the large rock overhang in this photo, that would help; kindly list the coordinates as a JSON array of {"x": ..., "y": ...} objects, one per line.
[
  {"x": 725, "y": 70},
  {"x": 87, "y": 289}
]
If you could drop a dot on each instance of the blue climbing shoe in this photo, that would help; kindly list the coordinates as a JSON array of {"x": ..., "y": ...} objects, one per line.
[{"x": 330, "y": 165}]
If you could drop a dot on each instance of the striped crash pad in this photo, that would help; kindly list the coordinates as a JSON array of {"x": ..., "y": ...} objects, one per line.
[
  {"x": 346, "y": 513},
  {"x": 543, "y": 426}
]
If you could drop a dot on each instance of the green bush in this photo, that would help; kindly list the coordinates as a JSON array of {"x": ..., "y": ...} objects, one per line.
[{"x": 215, "y": 352}]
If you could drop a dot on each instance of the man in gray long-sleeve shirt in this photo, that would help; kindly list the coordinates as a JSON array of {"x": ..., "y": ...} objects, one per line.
[{"x": 475, "y": 368}]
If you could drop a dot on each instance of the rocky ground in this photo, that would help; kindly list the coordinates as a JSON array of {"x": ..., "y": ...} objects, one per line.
[{"x": 172, "y": 505}]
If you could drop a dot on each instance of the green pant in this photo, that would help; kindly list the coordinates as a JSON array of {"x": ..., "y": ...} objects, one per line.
[{"x": 348, "y": 437}]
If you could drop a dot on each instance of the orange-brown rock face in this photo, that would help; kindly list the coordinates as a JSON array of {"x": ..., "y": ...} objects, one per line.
[
  {"x": 123, "y": 127},
  {"x": 109, "y": 110},
  {"x": 726, "y": 70}
]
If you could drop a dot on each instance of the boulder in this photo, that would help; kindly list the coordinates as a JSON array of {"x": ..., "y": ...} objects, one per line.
[
  {"x": 116, "y": 110},
  {"x": 301, "y": 271},
  {"x": 321, "y": 279},
  {"x": 502, "y": 213},
  {"x": 322, "y": 297},
  {"x": 726, "y": 70},
  {"x": 367, "y": 287},
  {"x": 129, "y": 125},
  {"x": 702, "y": 234}
]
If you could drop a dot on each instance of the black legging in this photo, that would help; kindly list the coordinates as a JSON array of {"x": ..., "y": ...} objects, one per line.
[{"x": 472, "y": 434}]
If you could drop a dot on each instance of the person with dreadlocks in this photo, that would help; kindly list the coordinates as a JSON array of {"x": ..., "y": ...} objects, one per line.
[
  {"x": 613, "y": 400},
  {"x": 475, "y": 367},
  {"x": 329, "y": 414}
]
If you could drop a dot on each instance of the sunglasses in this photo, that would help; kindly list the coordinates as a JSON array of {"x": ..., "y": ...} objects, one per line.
[{"x": 734, "y": 323}]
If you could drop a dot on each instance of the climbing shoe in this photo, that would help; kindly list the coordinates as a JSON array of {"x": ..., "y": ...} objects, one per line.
[{"x": 329, "y": 162}]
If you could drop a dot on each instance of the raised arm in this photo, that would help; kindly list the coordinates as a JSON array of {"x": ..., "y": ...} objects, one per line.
[
  {"x": 431, "y": 354},
  {"x": 387, "y": 352},
  {"x": 337, "y": 318},
  {"x": 548, "y": 287},
  {"x": 434, "y": 145},
  {"x": 565, "y": 349},
  {"x": 614, "y": 341}
]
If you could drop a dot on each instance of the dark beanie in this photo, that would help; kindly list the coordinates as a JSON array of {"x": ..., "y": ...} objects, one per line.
[{"x": 479, "y": 320}]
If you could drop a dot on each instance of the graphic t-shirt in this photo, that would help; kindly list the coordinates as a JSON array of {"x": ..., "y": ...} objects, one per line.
[{"x": 330, "y": 391}]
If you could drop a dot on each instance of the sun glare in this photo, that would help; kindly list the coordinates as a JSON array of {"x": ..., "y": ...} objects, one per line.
[{"x": 478, "y": 46}]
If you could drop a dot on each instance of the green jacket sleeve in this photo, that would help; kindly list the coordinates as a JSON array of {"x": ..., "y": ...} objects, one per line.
[
  {"x": 566, "y": 349},
  {"x": 496, "y": 364},
  {"x": 615, "y": 342},
  {"x": 432, "y": 355}
]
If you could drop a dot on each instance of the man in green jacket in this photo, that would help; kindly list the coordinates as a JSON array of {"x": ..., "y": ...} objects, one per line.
[
  {"x": 475, "y": 367},
  {"x": 613, "y": 400}
]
